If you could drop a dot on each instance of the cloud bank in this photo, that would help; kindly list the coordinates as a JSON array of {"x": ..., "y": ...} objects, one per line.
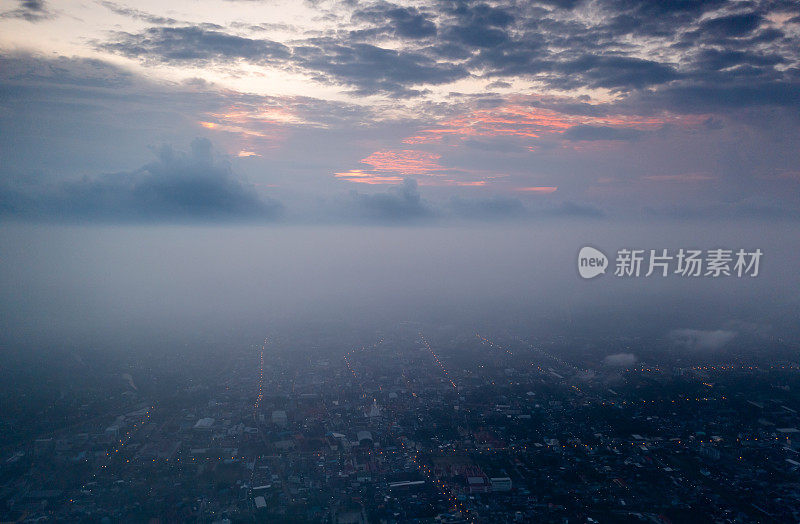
[
  {"x": 620, "y": 360},
  {"x": 701, "y": 340},
  {"x": 175, "y": 187}
]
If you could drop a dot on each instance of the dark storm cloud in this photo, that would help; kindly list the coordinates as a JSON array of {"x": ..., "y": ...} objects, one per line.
[
  {"x": 468, "y": 27},
  {"x": 477, "y": 36},
  {"x": 693, "y": 7},
  {"x": 398, "y": 204},
  {"x": 562, "y": 4},
  {"x": 26, "y": 71},
  {"x": 481, "y": 14},
  {"x": 368, "y": 68},
  {"x": 404, "y": 22},
  {"x": 716, "y": 59},
  {"x": 614, "y": 72},
  {"x": 406, "y": 203},
  {"x": 653, "y": 18},
  {"x": 137, "y": 14},
  {"x": 498, "y": 208},
  {"x": 702, "y": 97},
  {"x": 372, "y": 69},
  {"x": 569, "y": 53},
  {"x": 175, "y": 188},
  {"x": 528, "y": 58},
  {"x": 700, "y": 43},
  {"x": 55, "y": 87},
  {"x": 30, "y": 10},
  {"x": 732, "y": 25},
  {"x": 487, "y": 208},
  {"x": 478, "y": 25},
  {"x": 194, "y": 44}
]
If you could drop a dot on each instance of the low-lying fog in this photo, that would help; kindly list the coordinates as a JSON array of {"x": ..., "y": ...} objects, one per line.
[{"x": 108, "y": 285}]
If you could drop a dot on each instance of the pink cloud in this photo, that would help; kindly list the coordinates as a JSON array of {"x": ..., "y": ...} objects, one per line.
[
  {"x": 538, "y": 189},
  {"x": 519, "y": 119},
  {"x": 390, "y": 166},
  {"x": 516, "y": 119},
  {"x": 404, "y": 161},
  {"x": 365, "y": 177}
]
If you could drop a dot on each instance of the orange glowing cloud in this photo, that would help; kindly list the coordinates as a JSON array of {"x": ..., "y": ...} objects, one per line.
[
  {"x": 241, "y": 130},
  {"x": 390, "y": 166},
  {"x": 364, "y": 177},
  {"x": 244, "y": 115},
  {"x": 500, "y": 121},
  {"x": 404, "y": 161},
  {"x": 474, "y": 183},
  {"x": 538, "y": 189},
  {"x": 451, "y": 182},
  {"x": 518, "y": 120},
  {"x": 263, "y": 126}
]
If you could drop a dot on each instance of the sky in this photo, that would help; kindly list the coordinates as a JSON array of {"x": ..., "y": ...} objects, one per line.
[
  {"x": 376, "y": 112},
  {"x": 190, "y": 165}
]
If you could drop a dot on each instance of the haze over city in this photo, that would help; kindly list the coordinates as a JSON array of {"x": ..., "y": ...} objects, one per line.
[{"x": 241, "y": 237}]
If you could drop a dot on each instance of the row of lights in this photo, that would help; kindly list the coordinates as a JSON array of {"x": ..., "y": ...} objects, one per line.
[
  {"x": 436, "y": 358},
  {"x": 492, "y": 344},
  {"x": 260, "y": 395}
]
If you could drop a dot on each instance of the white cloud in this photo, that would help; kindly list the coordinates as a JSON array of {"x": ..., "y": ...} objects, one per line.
[
  {"x": 702, "y": 340},
  {"x": 620, "y": 359}
]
